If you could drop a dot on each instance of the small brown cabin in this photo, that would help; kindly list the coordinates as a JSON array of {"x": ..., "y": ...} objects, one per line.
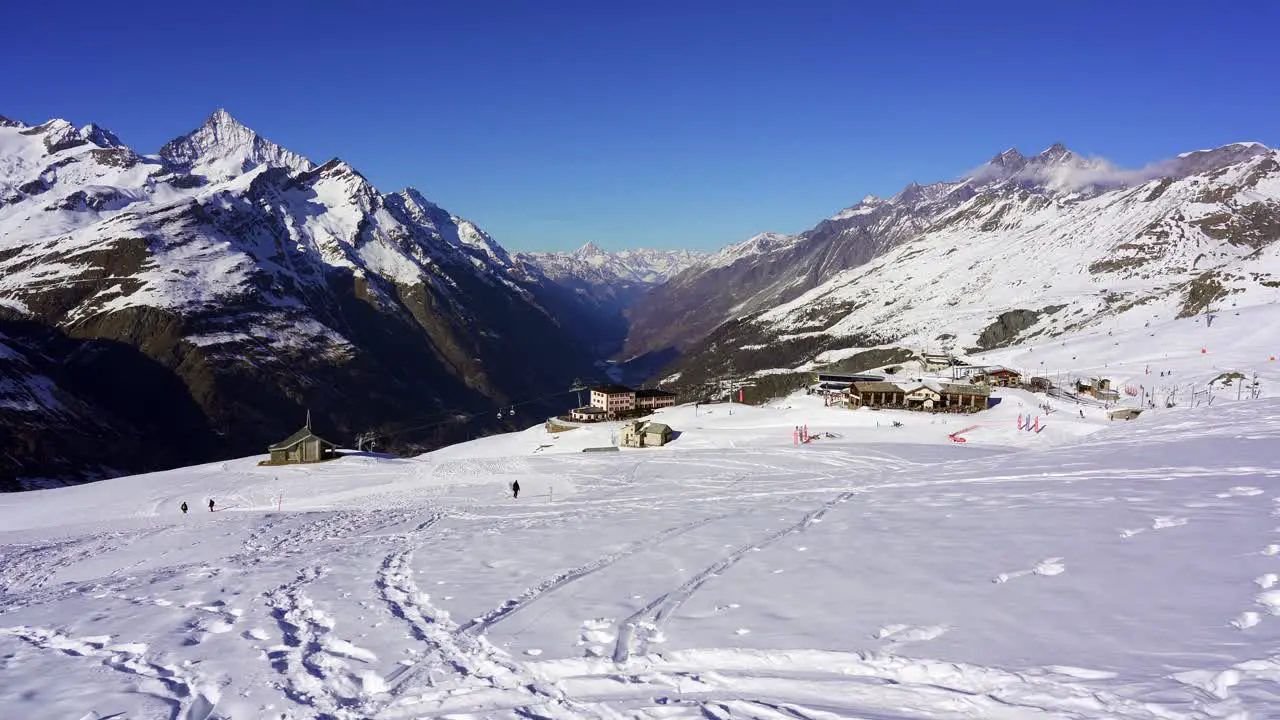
[{"x": 303, "y": 446}]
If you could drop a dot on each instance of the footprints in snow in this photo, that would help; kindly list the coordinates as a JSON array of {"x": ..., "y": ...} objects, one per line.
[
  {"x": 312, "y": 661},
  {"x": 1240, "y": 491},
  {"x": 897, "y": 635},
  {"x": 1269, "y": 597},
  {"x": 1049, "y": 567},
  {"x": 178, "y": 685},
  {"x": 1160, "y": 523},
  {"x": 596, "y": 636}
]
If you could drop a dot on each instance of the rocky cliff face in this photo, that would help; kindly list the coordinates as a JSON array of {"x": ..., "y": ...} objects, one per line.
[{"x": 203, "y": 299}]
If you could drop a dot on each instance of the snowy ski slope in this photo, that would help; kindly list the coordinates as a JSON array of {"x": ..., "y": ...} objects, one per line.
[{"x": 1097, "y": 569}]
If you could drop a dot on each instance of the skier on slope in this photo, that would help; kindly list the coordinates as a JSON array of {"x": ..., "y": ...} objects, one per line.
[
  {"x": 184, "y": 507},
  {"x": 515, "y": 489},
  {"x": 210, "y": 504}
]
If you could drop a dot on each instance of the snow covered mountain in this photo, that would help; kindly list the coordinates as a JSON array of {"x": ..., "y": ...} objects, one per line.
[
  {"x": 593, "y": 266},
  {"x": 1023, "y": 247},
  {"x": 229, "y": 284},
  {"x": 609, "y": 283},
  {"x": 222, "y": 148}
]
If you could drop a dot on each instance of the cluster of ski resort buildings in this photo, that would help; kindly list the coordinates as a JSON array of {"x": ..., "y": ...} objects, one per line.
[
  {"x": 968, "y": 389},
  {"x": 618, "y": 402},
  {"x": 855, "y": 391}
]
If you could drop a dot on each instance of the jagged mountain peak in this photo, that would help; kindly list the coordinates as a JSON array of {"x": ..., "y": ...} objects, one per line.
[
  {"x": 910, "y": 193},
  {"x": 222, "y": 148},
  {"x": 1010, "y": 158},
  {"x": 415, "y": 197},
  {"x": 58, "y": 135},
  {"x": 1055, "y": 152},
  {"x": 336, "y": 178},
  {"x": 221, "y": 118},
  {"x": 337, "y": 167},
  {"x": 1056, "y": 169},
  {"x": 11, "y": 123},
  {"x": 100, "y": 136},
  {"x": 590, "y": 249}
]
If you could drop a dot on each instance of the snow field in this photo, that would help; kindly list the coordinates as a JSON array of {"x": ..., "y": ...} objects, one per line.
[{"x": 1097, "y": 569}]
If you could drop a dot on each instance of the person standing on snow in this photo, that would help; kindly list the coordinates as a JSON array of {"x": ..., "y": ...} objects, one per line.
[
  {"x": 184, "y": 507},
  {"x": 210, "y": 504},
  {"x": 515, "y": 489}
]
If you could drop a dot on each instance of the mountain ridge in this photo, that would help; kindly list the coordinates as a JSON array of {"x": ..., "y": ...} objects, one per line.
[
  {"x": 713, "y": 309},
  {"x": 253, "y": 284}
]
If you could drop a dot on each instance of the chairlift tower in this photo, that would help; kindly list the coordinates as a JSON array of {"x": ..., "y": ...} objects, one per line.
[{"x": 578, "y": 386}]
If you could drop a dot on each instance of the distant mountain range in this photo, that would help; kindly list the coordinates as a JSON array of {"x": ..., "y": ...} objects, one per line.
[
  {"x": 598, "y": 268},
  {"x": 194, "y": 304},
  {"x": 1025, "y": 248},
  {"x": 610, "y": 282}
]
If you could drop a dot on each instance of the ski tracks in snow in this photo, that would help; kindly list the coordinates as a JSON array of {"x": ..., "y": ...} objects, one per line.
[
  {"x": 646, "y": 624},
  {"x": 318, "y": 669},
  {"x": 25, "y": 569},
  {"x": 779, "y": 685},
  {"x": 555, "y": 582},
  {"x": 477, "y": 676}
]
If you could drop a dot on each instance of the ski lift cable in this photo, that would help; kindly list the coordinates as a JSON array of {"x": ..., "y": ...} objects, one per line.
[
  {"x": 464, "y": 416},
  {"x": 451, "y": 415}
]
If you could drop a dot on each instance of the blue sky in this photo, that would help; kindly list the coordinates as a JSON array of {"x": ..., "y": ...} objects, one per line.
[{"x": 658, "y": 124}]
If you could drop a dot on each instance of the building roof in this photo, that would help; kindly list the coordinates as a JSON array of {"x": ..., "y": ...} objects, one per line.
[
  {"x": 923, "y": 386},
  {"x": 296, "y": 438},
  {"x": 877, "y": 387},
  {"x": 1004, "y": 371},
  {"x": 964, "y": 389},
  {"x": 612, "y": 389},
  {"x": 657, "y": 428},
  {"x": 847, "y": 377},
  {"x": 589, "y": 410},
  {"x": 653, "y": 392}
]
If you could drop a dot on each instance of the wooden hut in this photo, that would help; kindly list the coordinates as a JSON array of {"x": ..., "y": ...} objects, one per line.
[{"x": 303, "y": 446}]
